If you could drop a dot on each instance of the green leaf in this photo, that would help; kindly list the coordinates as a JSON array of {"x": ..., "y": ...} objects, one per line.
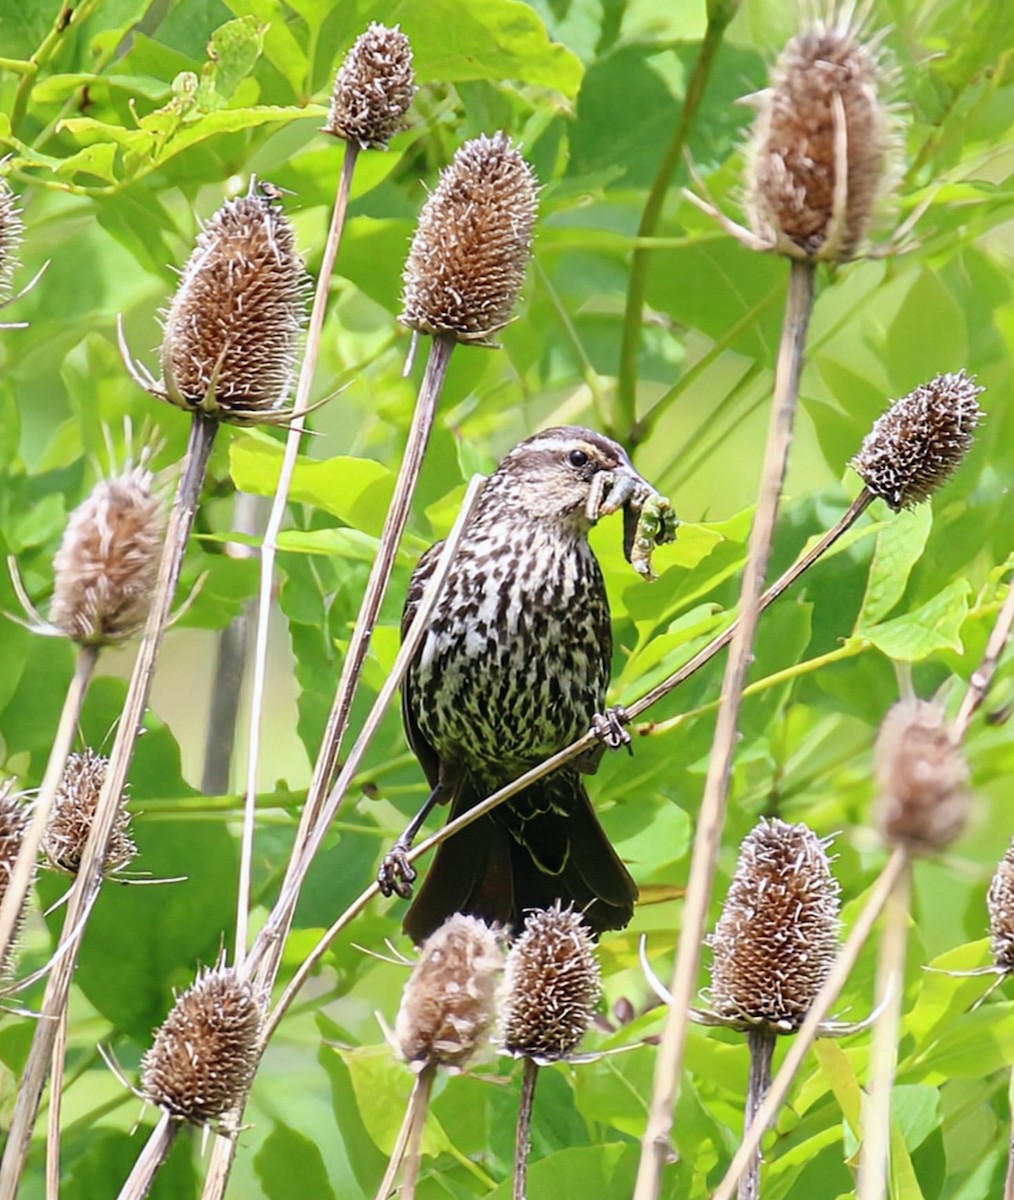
[
  {"x": 289, "y": 1164},
  {"x": 933, "y": 626},
  {"x": 899, "y": 546},
  {"x": 604, "y": 1170},
  {"x": 232, "y": 52}
]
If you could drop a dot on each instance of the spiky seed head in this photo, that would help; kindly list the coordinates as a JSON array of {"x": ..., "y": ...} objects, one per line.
[
  {"x": 920, "y": 441},
  {"x": 232, "y": 329},
  {"x": 11, "y": 230},
  {"x": 448, "y": 1003},
  {"x": 14, "y": 818},
  {"x": 472, "y": 243},
  {"x": 373, "y": 89},
  {"x": 552, "y": 985},
  {"x": 921, "y": 777},
  {"x": 106, "y": 566},
  {"x": 777, "y": 936},
  {"x": 74, "y": 811},
  {"x": 823, "y": 107},
  {"x": 204, "y": 1055},
  {"x": 1000, "y": 902}
]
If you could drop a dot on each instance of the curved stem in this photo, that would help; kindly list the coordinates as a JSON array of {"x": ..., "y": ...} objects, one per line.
[{"x": 523, "y": 1141}]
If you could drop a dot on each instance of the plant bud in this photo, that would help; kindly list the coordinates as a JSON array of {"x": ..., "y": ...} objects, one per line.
[
  {"x": 448, "y": 1003},
  {"x": 106, "y": 567},
  {"x": 921, "y": 776},
  {"x": 777, "y": 937},
  {"x": 73, "y": 813},
  {"x": 373, "y": 89},
  {"x": 472, "y": 244},
  {"x": 205, "y": 1052},
  {"x": 1000, "y": 902},
  {"x": 11, "y": 230},
  {"x": 822, "y": 112},
  {"x": 232, "y": 329},
  {"x": 920, "y": 441},
  {"x": 552, "y": 985}
]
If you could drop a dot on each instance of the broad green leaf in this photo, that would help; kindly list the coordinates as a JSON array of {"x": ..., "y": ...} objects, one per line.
[
  {"x": 232, "y": 51},
  {"x": 933, "y": 626},
  {"x": 899, "y": 546},
  {"x": 289, "y": 1164},
  {"x": 604, "y": 1170}
]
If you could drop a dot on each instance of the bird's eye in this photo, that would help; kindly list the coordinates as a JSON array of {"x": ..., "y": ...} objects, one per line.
[{"x": 577, "y": 458}]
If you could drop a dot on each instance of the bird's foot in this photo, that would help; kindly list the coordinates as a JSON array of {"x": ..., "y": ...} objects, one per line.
[
  {"x": 396, "y": 874},
  {"x": 610, "y": 729}
]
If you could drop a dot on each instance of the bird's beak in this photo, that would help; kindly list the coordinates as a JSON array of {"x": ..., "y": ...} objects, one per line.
[{"x": 623, "y": 485}]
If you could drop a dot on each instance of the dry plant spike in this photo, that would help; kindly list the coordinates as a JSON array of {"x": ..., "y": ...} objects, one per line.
[
  {"x": 920, "y": 441},
  {"x": 107, "y": 564},
  {"x": 14, "y": 817},
  {"x": 922, "y": 778},
  {"x": 373, "y": 89},
  {"x": 777, "y": 937},
  {"x": 1000, "y": 902},
  {"x": 205, "y": 1052},
  {"x": 819, "y": 157},
  {"x": 447, "y": 1007},
  {"x": 552, "y": 986},
  {"x": 472, "y": 244},
  {"x": 12, "y": 230},
  {"x": 73, "y": 812},
  {"x": 232, "y": 330}
]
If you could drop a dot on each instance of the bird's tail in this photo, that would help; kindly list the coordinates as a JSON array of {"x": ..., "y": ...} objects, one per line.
[{"x": 546, "y": 845}]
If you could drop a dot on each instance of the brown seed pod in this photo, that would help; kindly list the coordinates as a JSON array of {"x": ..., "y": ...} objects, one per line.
[
  {"x": 373, "y": 88},
  {"x": 552, "y": 986},
  {"x": 777, "y": 937},
  {"x": 14, "y": 818},
  {"x": 232, "y": 329},
  {"x": 106, "y": 566},
  {"x": 818, "y": 155},
  {"x": 11, "y": 230},
  {"x": 448, "y": 1003},
  {"x": 472, "y": 244},
  {"x": 205, "y": 1052},
  {"x": 920, "y": 441},
  {"x": 73, "y": 813},
  {"x": 1000, "y": 902},
  {"x": 921, "y": 777}
]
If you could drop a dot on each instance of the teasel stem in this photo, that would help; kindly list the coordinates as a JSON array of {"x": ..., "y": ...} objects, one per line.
[
  {"x": 24, "y": 868},
  {"x": 761, "y": 1045},
  {"x": 89, "y": 879},
  {"x": 982, "y": 676},
  {"x": 874, "y": 1165},
  {"x": 769, "y": 1108},
  {"x": 668, "y": 1069},
  {"x": 408, "y": 1147},
  {"x": 523, "y": 1142},
  {"x": 625, "y": 424},
  {"x": 1008, "y": 1185},
  {"x": 55, "y": 1110},
  {"x": 269, "y": 544},
  {"x": 150, "y": 1160}
]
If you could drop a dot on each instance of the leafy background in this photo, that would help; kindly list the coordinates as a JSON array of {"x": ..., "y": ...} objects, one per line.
[{"x": 128, "y": 127}]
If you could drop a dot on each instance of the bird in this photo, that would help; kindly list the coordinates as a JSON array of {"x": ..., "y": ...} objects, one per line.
[{"x": 512, "y": 667}]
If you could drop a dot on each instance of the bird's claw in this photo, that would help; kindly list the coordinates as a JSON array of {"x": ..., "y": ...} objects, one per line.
[
  {"x": 396, "y": 874},
  {"x": 610, "y": 728}
]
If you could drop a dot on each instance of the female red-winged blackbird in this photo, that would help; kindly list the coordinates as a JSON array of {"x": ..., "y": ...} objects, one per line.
[{"x": 513, "y": 667}]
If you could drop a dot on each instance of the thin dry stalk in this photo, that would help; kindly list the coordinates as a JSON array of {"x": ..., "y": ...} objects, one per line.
[
  {"x": 1008, "y": 1187},
  {"x": 982, "y": 676},
  {"x": 523, "y": 1141},
  {"x": 89, "y": 879},
  {"x": 655, "y": 1147},
  {"x": 413, "y": 1152},
  {"x": 55, "y": 1111},
  {"x": 269, "y": 545},
  {"x": 761, "y": 1044},
  {"x": 24, "y": 868},
  {"x": 874, "y": 1166},
  {"x": 895, "y": 866},
  {"x": 420, "y": 1097},
  {"x": 151, "y": 1158}
]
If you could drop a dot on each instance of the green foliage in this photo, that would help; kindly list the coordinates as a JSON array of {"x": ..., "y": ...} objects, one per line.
[{"x": 126, "y": 127}]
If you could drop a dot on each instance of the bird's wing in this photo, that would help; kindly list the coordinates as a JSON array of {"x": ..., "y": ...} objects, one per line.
[{"x": 423, "y": 751}]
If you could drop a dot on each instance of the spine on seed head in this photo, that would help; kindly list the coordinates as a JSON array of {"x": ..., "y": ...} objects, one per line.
[
  {"x": 1000, "y": 902},
  {"x": 14, "y": 818},
  {"x": 472, "y": 244},
  {"x": 11, "y": 231},
  {"x": 74, "y": 806},
  {"x": 373, "y": 89},
  {"x": 552, "y": 986},
  {"x": 447, "y": 1007},
  {"x": 777, "y": 936}
]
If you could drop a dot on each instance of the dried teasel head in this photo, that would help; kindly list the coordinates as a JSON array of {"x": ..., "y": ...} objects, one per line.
[
  {"x": 819, "y": 155},
  {"x": 106, "y": 567},
  {"x": 921, "y": 777},
  {"x": 14, "y": 818},
  {"x": 1000, "y": 902},
  {"x": 920, "y": 441},
  {"x": 472, "y": 244},
  {"x": 373, "y": 89},
  {"x": 11, "y": 230},
  {"x": 204, "y": 1055},
  {"x": 777, "y": 937},
  {"x": 552, "y": 986},
  {"x": 232, "y": 330},
  {"x": 447, "y": 1007},
  {"x": 74, "y": 805}
]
